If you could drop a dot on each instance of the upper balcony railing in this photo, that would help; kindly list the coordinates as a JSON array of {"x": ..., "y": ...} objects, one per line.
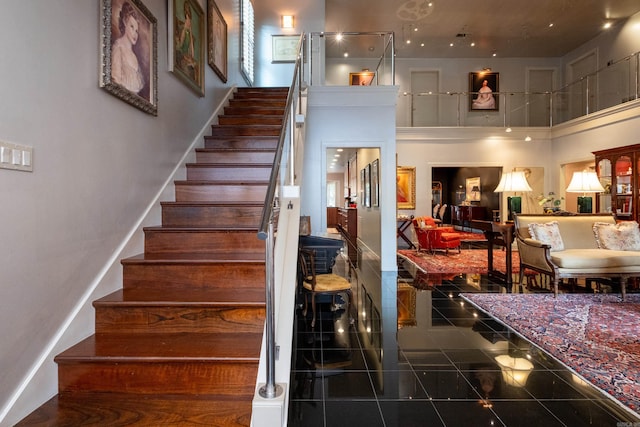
[{"x": 329, "y": 65}]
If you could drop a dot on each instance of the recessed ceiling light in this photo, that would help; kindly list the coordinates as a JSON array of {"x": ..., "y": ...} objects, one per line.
[
  {"x": 551, "y": 25},
  {"x": 415, "y": 29},
  {"x": 451, "y": 44},
  {"x": 472, "y": 44},
  {"x": 340, "y": 150},
  {"x": 528, "y": 138},
  {"x": 339, "y": 36},
  {"x": 346, "y": 54},
  {"x": 408, "y": 41},
  {"x": 421, "y": 44},
  {"x": 607, "y": 25},
  {"x": 494, "y": 54}
]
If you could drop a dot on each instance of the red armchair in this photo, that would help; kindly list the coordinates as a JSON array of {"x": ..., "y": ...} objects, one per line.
[{"x": 431, "y": 237}]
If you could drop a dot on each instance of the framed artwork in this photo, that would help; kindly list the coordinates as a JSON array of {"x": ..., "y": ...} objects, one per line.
[
  {"x": 361, "y": 187},
  {"x": 187, "y": 43},
  {"x": 406, "y": 305},
  {"x": 406, "y": 187},
  {"x": 217, "y": 40},
  {"x": 363, "y": 78},
  {"x": 129, "y": 56},
  {"x": 284, "y": 48},
  {"x": 472, "y": 189},
  {"x": 375, "y": 183},
  {"x": 367, "y": 186},
  {"x": 481, "y": 91}
]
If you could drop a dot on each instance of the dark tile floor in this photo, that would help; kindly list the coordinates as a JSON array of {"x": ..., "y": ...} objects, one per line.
[{"x": 430, "y": 362}]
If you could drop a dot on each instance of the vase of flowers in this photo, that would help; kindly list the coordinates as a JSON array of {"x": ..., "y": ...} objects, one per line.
[{"x": 550, "y": 203}]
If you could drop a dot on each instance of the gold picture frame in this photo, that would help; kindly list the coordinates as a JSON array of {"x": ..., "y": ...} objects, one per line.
[
  {"x": 187, "y": 43},
  {"x": 406, "y": 187},
  {"x": 473, "y": 189},
  {"x": 362, "y": 78},
  {"x": 217, "y": 40},
  {"x": 139, "y": 88}
]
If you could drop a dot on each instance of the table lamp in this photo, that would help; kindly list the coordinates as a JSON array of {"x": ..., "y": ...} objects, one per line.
[
  {"x": 513, "y": 182},
  {"x": 585, "y": 182},
  {"x": 474, "y": 191}
]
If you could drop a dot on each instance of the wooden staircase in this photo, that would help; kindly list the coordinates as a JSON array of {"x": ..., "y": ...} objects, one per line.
[{"x": 179, "y": 344}]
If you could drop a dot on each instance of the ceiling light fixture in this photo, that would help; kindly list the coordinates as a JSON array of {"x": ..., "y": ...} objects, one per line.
[
  {"x": 606, "y": 25},
  {"x": 339, "y": 36},
  {"x": 528, "y": 138}
]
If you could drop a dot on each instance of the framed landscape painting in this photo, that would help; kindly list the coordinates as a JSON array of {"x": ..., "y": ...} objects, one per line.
[{"x": 129, "y": 56}]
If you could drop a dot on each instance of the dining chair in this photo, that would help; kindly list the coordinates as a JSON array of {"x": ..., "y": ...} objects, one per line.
[{"x": 315, "y": 285}]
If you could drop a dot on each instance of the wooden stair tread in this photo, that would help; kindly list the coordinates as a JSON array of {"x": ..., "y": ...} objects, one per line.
[
  {"x": 122, "y": 409},
  {"x": 211, "y": 182},
  {"x": 159, "y": 347},
  {"x": 229, "y": 165},
  {"x": 240, "y": 203},
  {"x": 197, "y": 257},
  {"x": 202, "y": 229},
  {"x": 235, "y": 150},
  {"x": 182, "y": 297}
]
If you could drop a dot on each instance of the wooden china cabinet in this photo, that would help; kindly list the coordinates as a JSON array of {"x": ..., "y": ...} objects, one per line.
[{"x": 619, "y": 172}]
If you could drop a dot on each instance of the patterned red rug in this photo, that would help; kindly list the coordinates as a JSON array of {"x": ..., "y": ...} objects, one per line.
[
  {"x": 596, "y": 336},
  {"x": 467, "y": 261}
]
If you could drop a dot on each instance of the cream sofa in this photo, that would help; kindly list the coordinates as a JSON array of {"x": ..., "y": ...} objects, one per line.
[{"x": 606, "y": 250}]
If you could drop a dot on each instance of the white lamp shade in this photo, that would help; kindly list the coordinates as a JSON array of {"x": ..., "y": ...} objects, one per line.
[
  {"x": 585, "y": 182},
  {"x": 515, "y": 370},
  {"x": 513, "y": 181}
]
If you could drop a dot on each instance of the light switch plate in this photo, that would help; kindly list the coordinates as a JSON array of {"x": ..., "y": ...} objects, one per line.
[{"x": 16, "y": 157}]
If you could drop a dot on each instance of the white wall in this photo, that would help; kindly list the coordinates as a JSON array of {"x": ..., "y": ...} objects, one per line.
[
  {"x": 616, "y": 43},
  {"x": 352, "y": 117},
  {"x": 99, "y": 163},
  {"x": 309, "y": 17}
]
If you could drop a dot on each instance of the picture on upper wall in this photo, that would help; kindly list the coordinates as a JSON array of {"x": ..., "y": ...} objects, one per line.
[
  {"x": 363, "y": 78},
  {"x": 217, "y": 40},
  {"x": 129, "y": 61},
  {"x": 406, "y": 187},
  {"x": 482, "y": 91},
  {"x": 187, "y": 43}
]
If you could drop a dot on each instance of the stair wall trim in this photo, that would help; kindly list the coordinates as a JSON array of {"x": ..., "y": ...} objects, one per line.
[
  {"x": 41, "y": 374},
  {"x": 273, "y": 412}
]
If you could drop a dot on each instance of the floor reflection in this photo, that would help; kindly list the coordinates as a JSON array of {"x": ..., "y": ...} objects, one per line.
[{"x": 424, "y": 357}]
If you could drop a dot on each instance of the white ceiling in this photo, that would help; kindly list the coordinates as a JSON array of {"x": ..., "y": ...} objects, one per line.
[{"x": 508, "y": 28}]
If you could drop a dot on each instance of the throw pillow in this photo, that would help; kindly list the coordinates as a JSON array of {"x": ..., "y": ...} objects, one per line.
[
  {"x": 547, "y": 233},
  {"x": 624, "y": 236}
]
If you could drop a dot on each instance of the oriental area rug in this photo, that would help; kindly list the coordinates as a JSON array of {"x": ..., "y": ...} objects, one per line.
[
  {"x": 467, "y": 261},
  {"x": 597, "y": 336}
]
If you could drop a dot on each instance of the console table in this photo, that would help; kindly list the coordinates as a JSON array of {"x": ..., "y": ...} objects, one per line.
[
  {"x": 348, "y": 227},
  {"x": 464, "y": 215},
  {"x": 498, "y": 234}
]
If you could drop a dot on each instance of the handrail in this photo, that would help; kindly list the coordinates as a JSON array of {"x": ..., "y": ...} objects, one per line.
[{"x": 266, "y": 229}]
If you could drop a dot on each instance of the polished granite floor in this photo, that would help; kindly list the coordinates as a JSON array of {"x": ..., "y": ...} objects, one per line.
[{"x": 424, "y": 358}]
